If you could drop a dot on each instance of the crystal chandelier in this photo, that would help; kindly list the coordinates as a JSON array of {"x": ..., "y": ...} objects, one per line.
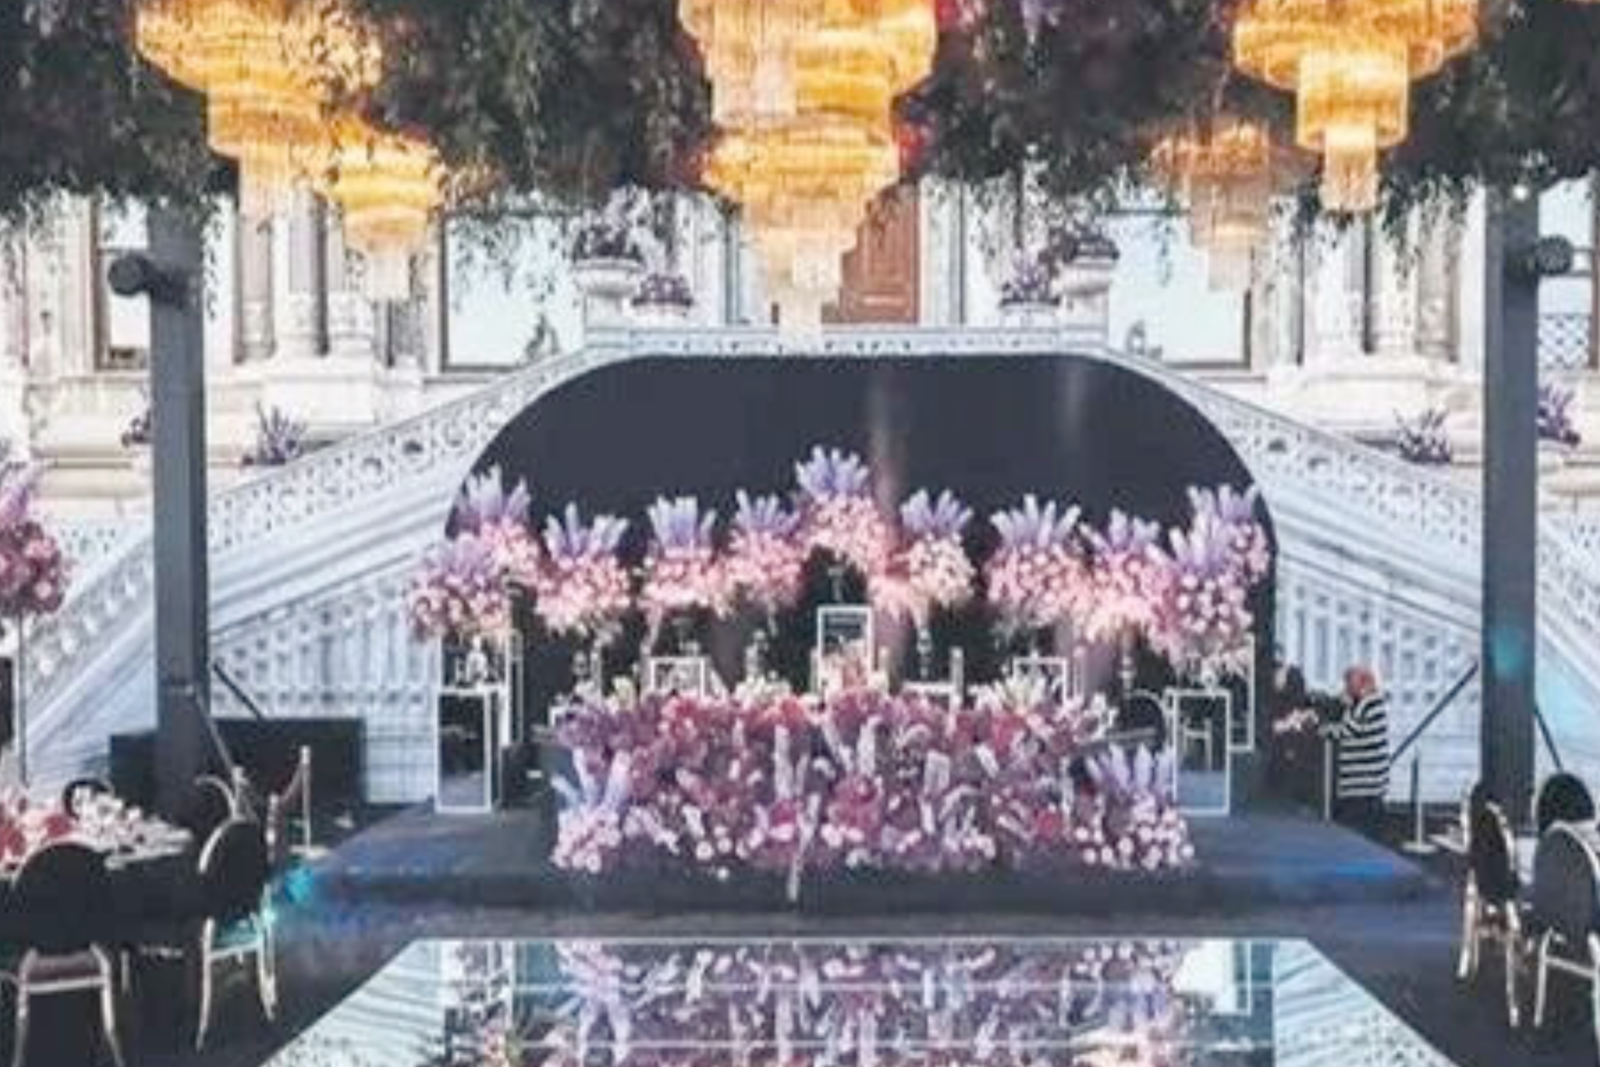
[
  {"x": 388, "y": 187},
  {"x": 1350, "y": 64},
  {"x": 808, "y": 131},
  {"x": 264, "y": 93},
  {"x": 1227, "y": 176}
]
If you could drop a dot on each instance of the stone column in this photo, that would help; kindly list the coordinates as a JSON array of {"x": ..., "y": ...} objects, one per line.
[
  {"x": 13, "y": 338},
  {"x": 1393, "y": 297},
  {"x": 352, "y": 318},
  {"x": 1437, "y": 280},
  {"x": 257, "y": 338},
  {"x": 942, "y": 270},
  {"x": 300, "y": 312}
]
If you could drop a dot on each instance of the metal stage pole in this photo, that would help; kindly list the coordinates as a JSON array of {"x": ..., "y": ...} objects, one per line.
[
  {"x": 1510, "y": 497},
  {"x": 171, "y": 276}
]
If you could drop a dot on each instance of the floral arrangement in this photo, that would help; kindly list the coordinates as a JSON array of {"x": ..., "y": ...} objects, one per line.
[
  {"x": 584, "y": 587},
  {"x": 681, "y": 571},
  {"x": 664, "y": 289},
  {"x": 1555, "y": 416},
  {"x": 1031, "y": 282},
  {"x": 1424, "y": 440},
  {"x": 1128, "y": 577},
  {"x": 1036, "y": 576},
  {"x": 33, "y": 569},
  {"x": 608, "y": 235},
  {"x": 460, "y": 591},
  {"x": 840, "y": 516},
  {"x": 864, "y": 781},
  {"x": 137, "y": 434},
  {"x": 766, "y": 555},
  {"x": 1247, "y": 538},
  {"x": 279, "y": 440},
  {"x": 499, "y": 519},
  {"x": 930, "y": 571},
  {"x": 1140, "y": 826},
  {"x": 1204, "y": 622}
]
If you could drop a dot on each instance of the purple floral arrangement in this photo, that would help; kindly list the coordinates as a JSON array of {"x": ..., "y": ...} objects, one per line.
[
  {"x": 459, "y": 592},
  {"x": 1236, "y": 511},
  {"x": 930, "y": 571},
  {"x": 664, "y": 289},
  {"x": 1424, "y": 440},
  {"x": 1031, "y": 282},
  {"x": 864, "y": 781},
  {"x": 1204, "y": 623},
  {"x": 766, "y": 554},
  {"x": 499, "y": 519},
  {"x": 33, "y": 569},
  {"x": 681, "y": 571},
  {"x": 279, "y": 440},
  {"x": 606, "y": 236},
  {"x": 137, "y": 433},
  {"x": 1129, "y": 573},
  {"x": 1036, "y": 577},
  {"x": 1555, "y": 416},
  {"x": 584, "y": 587},
  {"x": 840, "y": 516},
  {"x": 852, "y": 1004}
]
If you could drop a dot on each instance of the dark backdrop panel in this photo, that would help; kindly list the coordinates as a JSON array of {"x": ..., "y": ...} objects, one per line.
[{"x": 992, "y": 429}]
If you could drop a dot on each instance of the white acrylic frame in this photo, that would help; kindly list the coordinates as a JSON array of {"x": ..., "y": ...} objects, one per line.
[
  {"x": 1175, "y": 700},
  {"x": 852, "y": 619},
  {"x": 684, "y": 675},
  {"x": 485, "y": 698}
]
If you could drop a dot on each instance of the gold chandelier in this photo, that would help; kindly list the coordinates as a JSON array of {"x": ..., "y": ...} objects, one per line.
[
  {"x": 388, "y": 187},
  {"x": 806, "y": 161},
  {"x": 1350, "y": 64},
  {"x": 1226, "y": 175},
  {"x": 264, "y": 95}
]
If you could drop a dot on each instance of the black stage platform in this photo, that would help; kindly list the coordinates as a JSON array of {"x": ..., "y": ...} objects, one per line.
[{"x": 1245, "y": 862}]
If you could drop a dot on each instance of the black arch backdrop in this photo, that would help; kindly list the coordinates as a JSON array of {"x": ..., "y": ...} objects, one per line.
[{"x": 1069, "y": 428}]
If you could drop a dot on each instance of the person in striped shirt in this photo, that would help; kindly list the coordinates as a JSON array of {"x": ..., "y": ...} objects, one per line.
[{"x": 1362, "y": 733}]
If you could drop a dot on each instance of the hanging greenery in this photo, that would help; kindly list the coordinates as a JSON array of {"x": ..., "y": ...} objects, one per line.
[{"x": 567, "y": 99}]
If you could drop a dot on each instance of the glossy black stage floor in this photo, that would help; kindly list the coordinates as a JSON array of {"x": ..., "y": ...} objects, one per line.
[{"x": 1244, "y": 862}]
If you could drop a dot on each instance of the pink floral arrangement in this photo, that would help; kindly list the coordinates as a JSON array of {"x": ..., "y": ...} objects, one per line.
[
  {"x": 840, "y": 516},
  {"x": 584, "y": 587},
  {"x": 766, "y": 556},
  {"x": 459, "y": 592},
  {"x": 1036, "y": 577},
  {"x": 930, "y": 571},
  {"x": 681, "y": 572},
  {"x": 1246, "y": 536},
  {"x": 33, "y": 569},
  {"x": 500, "y": 520},
  {"x": 1204, "y": 622},
  {"x": 1128, "y": 575},
  {"x": 864, "y": 781},
  {"x": 1140, "y": 827}
]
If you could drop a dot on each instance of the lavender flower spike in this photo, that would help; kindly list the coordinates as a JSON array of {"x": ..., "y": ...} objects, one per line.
[
  {"x": 1032, "y": 526},
  {"x": 1226, "y": 503},
  {"x": 568, "y": 538},
  {"x": 924, "y": 516},
  {"x": 1129, "y": 534},
  {"x": 831, "y": 473},
  {"x": 484, "y": 502},
  {"x": 764, "y": 516},
  {"x": 678, "y": 523}
]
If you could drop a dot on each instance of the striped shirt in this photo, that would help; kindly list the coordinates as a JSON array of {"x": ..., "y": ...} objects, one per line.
[{"x": 1363, "y": 736}]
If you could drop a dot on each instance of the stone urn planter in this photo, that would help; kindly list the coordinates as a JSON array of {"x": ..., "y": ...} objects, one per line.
[{"x": 663, "y": 300}]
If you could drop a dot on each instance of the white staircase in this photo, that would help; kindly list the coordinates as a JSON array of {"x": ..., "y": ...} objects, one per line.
[{"x": 1378, "y": 563}]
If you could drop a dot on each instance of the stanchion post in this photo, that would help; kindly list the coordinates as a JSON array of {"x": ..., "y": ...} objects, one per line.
[{"x": 1327, "y": 780}]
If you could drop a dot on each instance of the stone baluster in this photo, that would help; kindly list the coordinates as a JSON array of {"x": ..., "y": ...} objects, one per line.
[
  {"x": 257, "y": 335},
  {"x": 300, "y": 310}
]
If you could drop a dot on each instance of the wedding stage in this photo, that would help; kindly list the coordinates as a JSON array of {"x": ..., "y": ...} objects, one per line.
[{"x": 1249, "y": 862}]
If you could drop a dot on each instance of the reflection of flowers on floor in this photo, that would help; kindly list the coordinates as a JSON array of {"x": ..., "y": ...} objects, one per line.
[
  {"x": 863, "y": 781},
  {"x": 859, "y": 1005}
]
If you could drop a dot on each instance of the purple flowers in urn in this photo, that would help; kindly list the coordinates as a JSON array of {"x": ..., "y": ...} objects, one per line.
[
  {"x": 1424, "y": 439},
  {"x": 1555, "y": 416},
  {"x": 1031, "y": 284},
  {"x": 840, "y": 515},
  {"x": 664, "y": 289},
  {"x": 680, "y": 572},
  {"x": 279, "y": 440},
  {"x": 33, "y": 569},
  {"x": 584, "y": 588},
  {"x": 607, "y": 236},
  {"x": 766, "y": 555}
]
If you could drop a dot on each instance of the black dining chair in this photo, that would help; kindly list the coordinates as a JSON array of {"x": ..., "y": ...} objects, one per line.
[
  {"x": 1491, "y": 908},
  {"x": 64, "y": 894},
  {"x": 1563, "y": 798},
  {"x": 224, "y": 915},
  {"x": 80, "y": 790},
  {"x": 1565, "y": 912}
]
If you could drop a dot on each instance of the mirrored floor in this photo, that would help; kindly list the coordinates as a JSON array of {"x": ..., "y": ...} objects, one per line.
[{"x": 855, "y": 1003}]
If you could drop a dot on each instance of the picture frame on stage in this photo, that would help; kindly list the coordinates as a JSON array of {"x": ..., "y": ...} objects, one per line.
[
  {"x": 1053, "y": 673},
  {"x": 1200, "y": 728},
  {"x": 845, "y": 651},
  {"x": 688, "y": 676}
]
